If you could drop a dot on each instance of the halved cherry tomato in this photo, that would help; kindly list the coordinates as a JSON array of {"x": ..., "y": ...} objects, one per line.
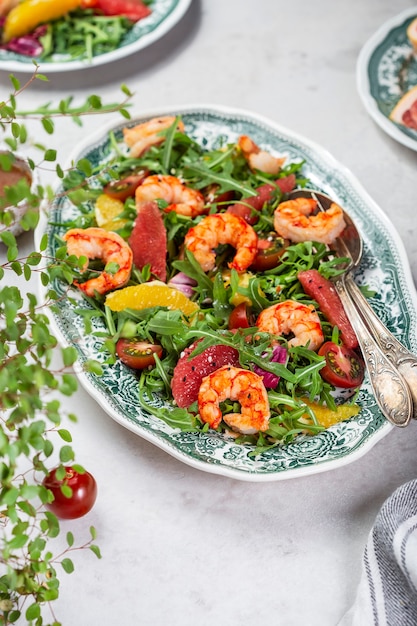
[
  {"x": 125, "y": 188},
  {"x": 212, "y": 195},
  {"x": 240, "y": 317},
  {"x": 137, "y": 354},
  {"x": 344, "y": 367},
  {"x": 269, "y": 253},
  {"x": 84, "y": 493}
]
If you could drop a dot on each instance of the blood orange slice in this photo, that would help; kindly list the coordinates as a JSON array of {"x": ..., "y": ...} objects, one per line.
[{"x": 405, "y": 111}]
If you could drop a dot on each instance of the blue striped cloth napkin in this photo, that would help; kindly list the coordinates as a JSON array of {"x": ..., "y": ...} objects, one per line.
[{"x": 387, "y": 592}]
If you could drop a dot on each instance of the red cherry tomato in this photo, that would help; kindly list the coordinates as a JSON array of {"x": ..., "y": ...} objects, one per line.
[
  {"x": 125, "y": 188},
  {"x": 344, "y": 368},
  {"x": 133, "y": 9},
  {"x": 137, "y": 354},
  {"x": 269, "y": 253},
  {"x": 240, "y": 317},
  {"x": 84, "y": 493},
  {"x": 212, "y": 195}
]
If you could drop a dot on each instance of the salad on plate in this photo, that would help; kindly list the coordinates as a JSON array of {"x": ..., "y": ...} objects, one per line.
[
  {"x": 212, "y": 285},
  {"x": 75, "y": 30}
]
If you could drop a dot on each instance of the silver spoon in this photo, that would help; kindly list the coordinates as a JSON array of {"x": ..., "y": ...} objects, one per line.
[{"x": 391, "y": 392}]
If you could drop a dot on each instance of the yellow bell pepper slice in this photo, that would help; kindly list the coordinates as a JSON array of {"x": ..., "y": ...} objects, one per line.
[{"x": 26, "y": 16}]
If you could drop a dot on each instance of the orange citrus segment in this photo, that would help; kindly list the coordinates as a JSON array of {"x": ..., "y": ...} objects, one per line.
[
  {"x": 106, "y": 211},
  {"x": 327, "y": 417},
  {"x": 148, "y": 295}
]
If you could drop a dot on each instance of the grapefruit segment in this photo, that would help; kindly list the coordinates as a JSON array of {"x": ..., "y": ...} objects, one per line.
[
  {"x": 189, "y": 373},
  {"x": 405, "y": 111},
  {"x": 148, "y": 240}
]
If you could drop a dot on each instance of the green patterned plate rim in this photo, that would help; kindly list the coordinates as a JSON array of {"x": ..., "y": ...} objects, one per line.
[
  {"x": 165, "y": 15},
  {"x": 384, "y": 269},
  {"x": 386, "y": 70}
]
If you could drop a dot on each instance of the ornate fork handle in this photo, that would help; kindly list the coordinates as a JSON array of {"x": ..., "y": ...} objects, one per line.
[
  {"x": 390, "y": 389},
  {"x": 399, "y": 355}
]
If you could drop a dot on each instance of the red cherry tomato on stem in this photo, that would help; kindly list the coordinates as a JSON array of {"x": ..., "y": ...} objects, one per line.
[
  {"x": 344, "y": 367},
  {"x": 84, "y": 493},
  {"x": 137, "y": 354}
]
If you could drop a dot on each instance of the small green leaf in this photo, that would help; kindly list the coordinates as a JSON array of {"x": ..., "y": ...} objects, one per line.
[
  {"x": 48, "y": 125},
  {"x": 125, "y": 89},
  {"x": 50, "y": 155},
  {"x": 65, "y": 435},
  {"x": 15, "y": 82},
  {"x": 85, "y": 166},
  {"x": 70, "y": 539},
  {"x": 69, "y": 355},
  {"x": 96, "y": 550},
  {"x": 15, "y": 130},
  {"x": 95, "y": 101},
  {"x": 33, "y": 612},
  {"x": 18, "y": 542},
  {"x": 94, "y": 367},
  {"x": 66, "y": 491},
  {"x": 67, "y": 565},
  {"x": 66, "y": 454}
]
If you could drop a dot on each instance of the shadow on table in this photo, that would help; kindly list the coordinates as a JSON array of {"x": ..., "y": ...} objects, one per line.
[{"x": 165, "y": 49}]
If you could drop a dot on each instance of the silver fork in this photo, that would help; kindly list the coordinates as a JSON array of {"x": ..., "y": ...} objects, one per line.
[
  {"x": 404, "y": 360},
  {"x": 390, "y": 390}
]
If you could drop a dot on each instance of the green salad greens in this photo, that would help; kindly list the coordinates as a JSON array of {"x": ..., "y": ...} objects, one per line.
[{"x": 223, "y": 176}]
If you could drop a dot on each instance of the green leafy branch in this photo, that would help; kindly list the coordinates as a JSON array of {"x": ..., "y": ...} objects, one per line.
[{"x": 32, "y": 429}]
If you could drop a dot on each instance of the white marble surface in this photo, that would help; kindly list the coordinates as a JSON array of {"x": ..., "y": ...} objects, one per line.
[{"x": 182, "y": 547}]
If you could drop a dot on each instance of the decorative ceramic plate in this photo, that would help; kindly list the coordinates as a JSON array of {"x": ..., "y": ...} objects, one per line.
[
  {"x": 165, "y": 15},
  {"x": 384, "y": 269},
  {"x": 386, "y": 70}
]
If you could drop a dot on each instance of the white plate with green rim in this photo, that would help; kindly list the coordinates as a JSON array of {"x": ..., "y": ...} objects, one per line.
[
  {"x": 165, "y": 15},
  {"x": 386, "y": 70},
  {"x": 384, "y": 269}
]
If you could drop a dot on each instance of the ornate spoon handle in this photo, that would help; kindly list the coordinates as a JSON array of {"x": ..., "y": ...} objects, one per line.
[
  {"x": 390, "y": 390},
  {"x": 400, "y": 357}
]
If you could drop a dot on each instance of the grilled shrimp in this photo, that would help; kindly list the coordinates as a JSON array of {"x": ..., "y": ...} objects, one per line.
[
  {"x": 259, "y": 159},
  {"x": 293, "y": 220},
  {"x": 222, "y": 228},
  {"x": 97, "y": 243},
  {"x": 181, "y": 199},
  {"x": 141, "y": 137},
  {"x": 239, "y": 385},
  {"x": 292, "y": 317}
]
